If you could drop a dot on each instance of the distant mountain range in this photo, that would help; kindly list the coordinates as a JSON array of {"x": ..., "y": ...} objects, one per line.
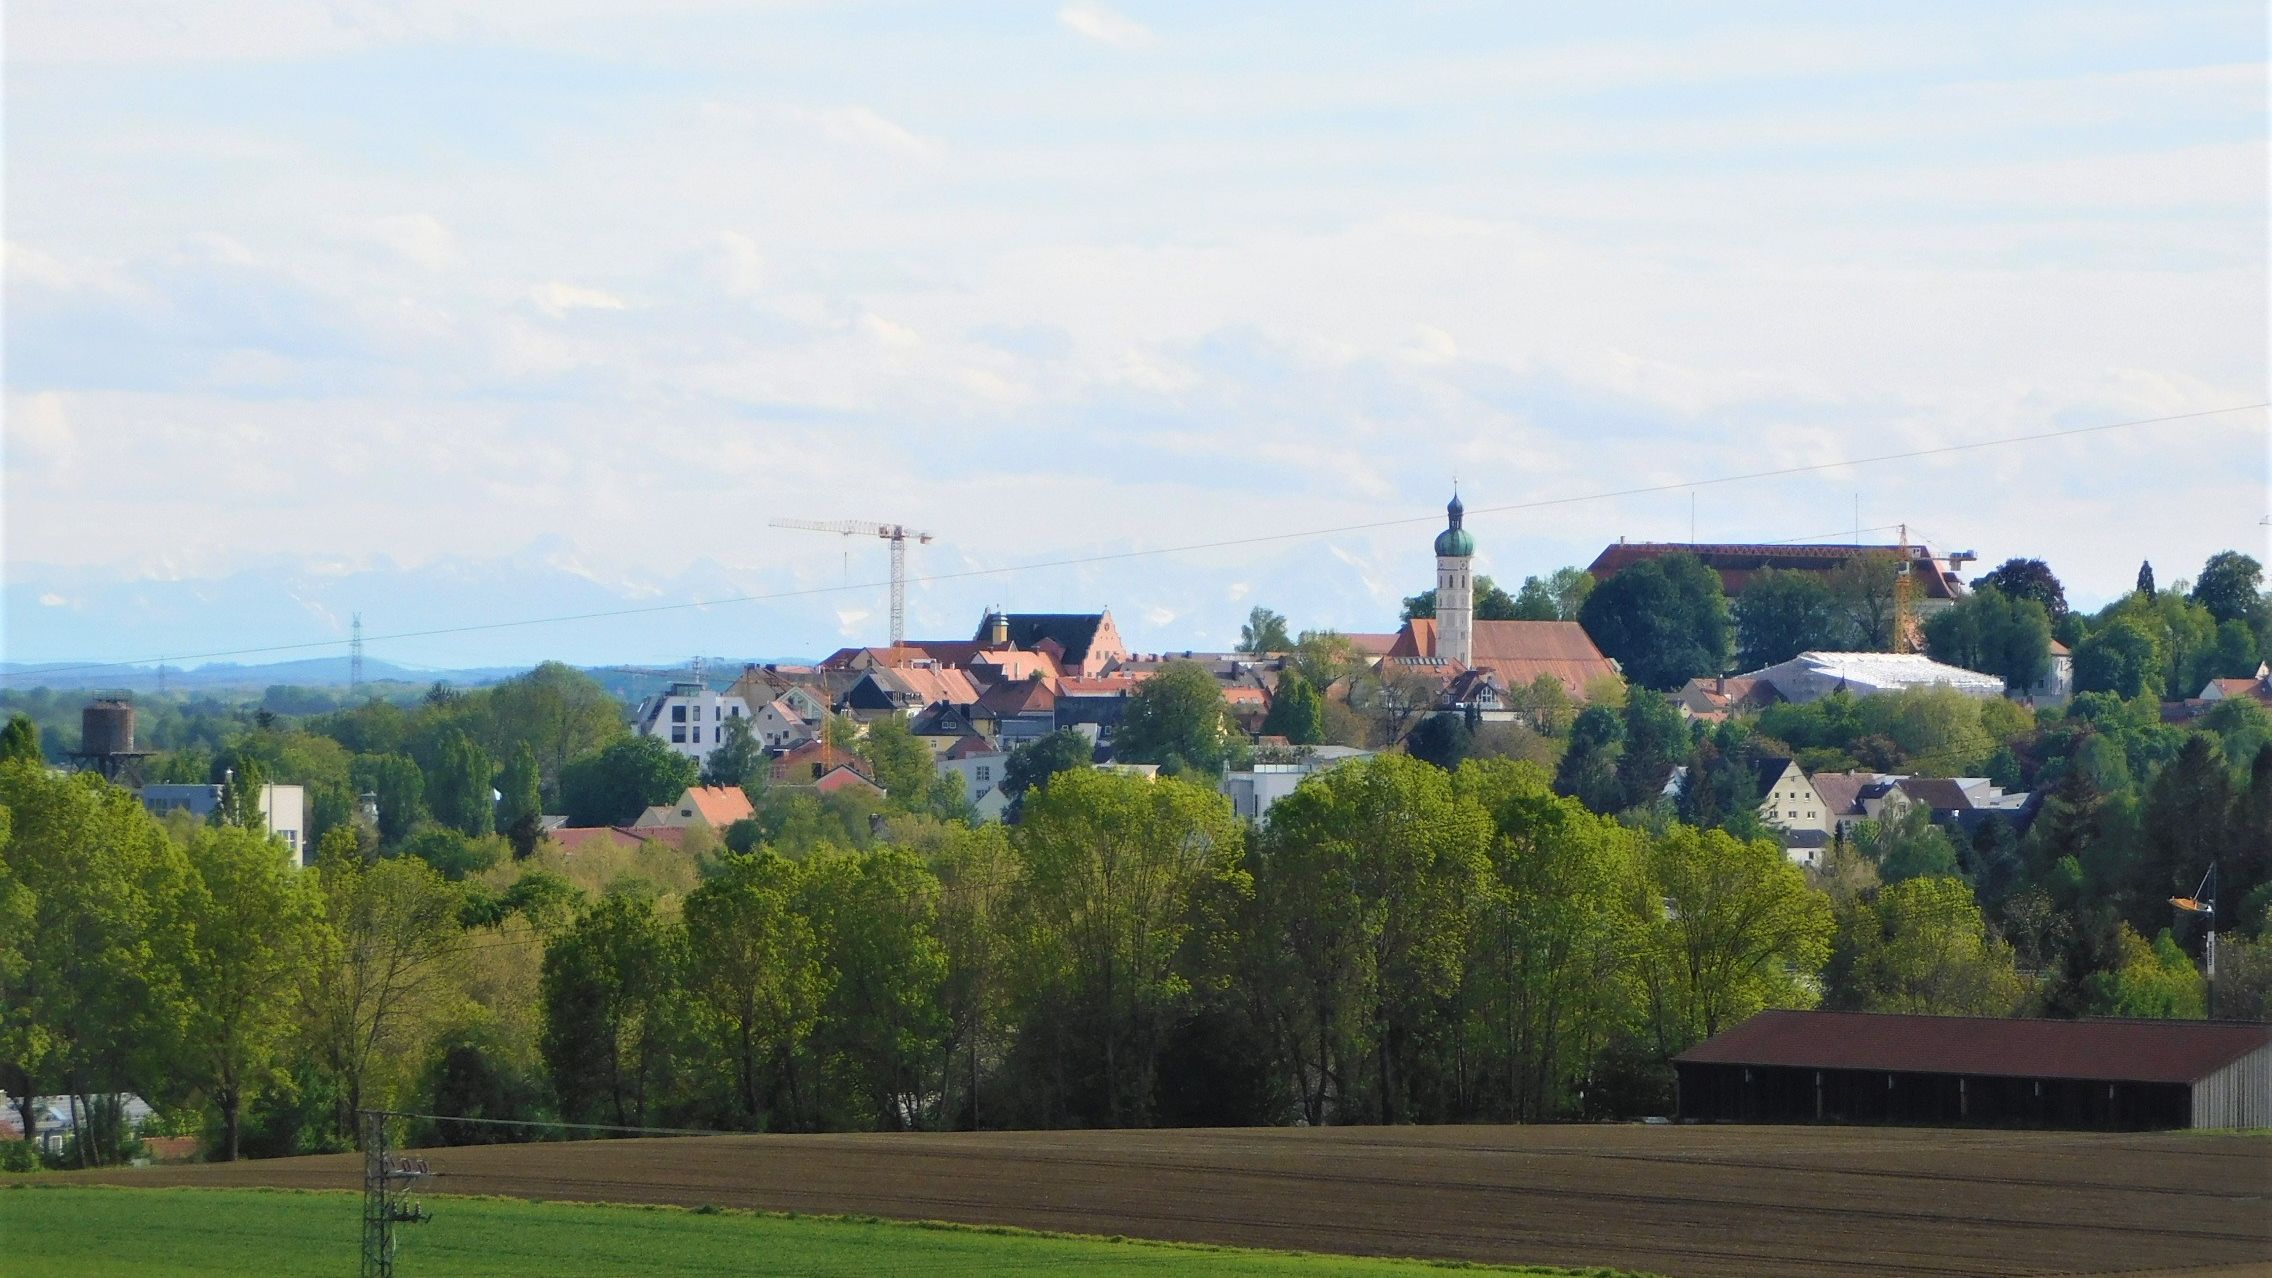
[{"x": 476, "y": 620}]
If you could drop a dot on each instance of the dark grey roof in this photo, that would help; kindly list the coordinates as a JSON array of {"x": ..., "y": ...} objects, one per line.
[
  {"x": 1767, "y": 770},
  {"x": 1072, "y": 631}
]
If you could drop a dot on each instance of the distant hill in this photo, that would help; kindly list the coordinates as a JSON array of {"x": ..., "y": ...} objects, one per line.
[
  {"x": 309, "y": 672},
  {"x": 627, "y": 682}
]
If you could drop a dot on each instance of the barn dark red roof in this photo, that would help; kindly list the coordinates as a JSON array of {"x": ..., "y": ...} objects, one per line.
[{"x": 2111, "y": 1050}]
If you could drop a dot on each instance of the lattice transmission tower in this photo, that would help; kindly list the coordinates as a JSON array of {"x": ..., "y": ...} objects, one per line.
[
  {"x": 387, "y": 1177},
  {"x": 355, "y": 660}
]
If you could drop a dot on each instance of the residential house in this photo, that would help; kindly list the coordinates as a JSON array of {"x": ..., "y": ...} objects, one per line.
[
  {"x": 1961, "y": 803},
  {"x": 808, "y": 763},
  {"x": 1252, "y": 790},
  {"x": 1814, "y": 675},
  {"x": 1789, "y": 802},
  {"x": 1099, "y": 702},
  {"x": 783, "y": 723},
  {"x": 982, "y": 768},
  {"x": 882, "y": 690},
  {"x": 284, "y": 809},
  {"x": 2256, "y": 687},
  {"x": 1714, "y": 699},
  {"x": 940, "y": 726},
  {"x": 1016, "y": 712},
  {"x": 713, "y": 807},
  {"x": 844, "y": 776},
  {"x": 1938, "y": 585},
  {"x": 809, "y": 690},
  {"x": 690, "y": 718}
]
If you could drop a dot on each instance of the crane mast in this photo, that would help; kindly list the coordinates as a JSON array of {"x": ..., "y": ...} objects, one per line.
[{"x": 897, "y": 534}]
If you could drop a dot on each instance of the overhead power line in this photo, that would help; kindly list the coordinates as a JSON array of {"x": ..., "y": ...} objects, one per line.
[{"x": 1226, "y": 543}]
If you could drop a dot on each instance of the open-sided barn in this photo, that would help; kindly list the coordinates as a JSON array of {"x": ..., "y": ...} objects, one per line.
[{"x": 1863, "y": 1067}]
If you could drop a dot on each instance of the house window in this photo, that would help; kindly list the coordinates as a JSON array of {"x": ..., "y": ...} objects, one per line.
[
  {"x": 698, "y": 736},
  {"x": 678, "y": 714},
  {"x": 735, "y": 711},
  {"x": 985, "y": 773},
  {"x": 717, "y": 713},
  {"x": 678, "y": 736}
]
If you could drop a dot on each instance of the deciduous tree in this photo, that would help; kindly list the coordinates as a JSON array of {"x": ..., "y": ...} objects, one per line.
[
  {"x": 617, "y": 784},
  {"x": 1864, "y": 590},
  {"x": 1178, "y": 719},
  {"x": 252, "y": 917},
  {"x": 606, "y": 989},
  {"x": 1265, "y": 631},
  {"x": 754, "y": 982},
  {"x": 1782, "y": 613},
  {"x": 1994, "y": 634},
  {"x": 1115, "y": 871},
  {"x": 1665, "y": 621},
  {"x": 1921, "y": 946},
  {"x": 1736, "y": 928},
  {"x": 1365, "y": 876},
  {"x": 521, "y": 814},
  {"x": 19, "y": 741},
  {"x": 459, "y": 786},
  {"x": 1297, "y": 712},
  {"x": 2031, "y": 579},
  {"x": 2230, "y": 586}
]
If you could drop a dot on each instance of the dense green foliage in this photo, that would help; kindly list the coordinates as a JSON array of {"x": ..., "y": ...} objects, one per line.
[
  {"x": 1177, "y": 720},
  {"x": 1783, "y": 613},
  {"x": 1664, "y": 620}
]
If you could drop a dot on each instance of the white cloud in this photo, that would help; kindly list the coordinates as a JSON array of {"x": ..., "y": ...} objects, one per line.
[
  {"x": 890, "y": 333},
  {"x": 741, "y": 268},
  {"x": 417, "y": 238},
  {"x": 1098, "y": 23},
  {"x": 861, "y": 127},
  {"x": 557, "y": 299},
  {"x": 39, "y": 437}
]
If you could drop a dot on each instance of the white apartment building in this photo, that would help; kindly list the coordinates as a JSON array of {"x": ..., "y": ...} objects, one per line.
[
  {"x": 690, "y": 718},
  {"x": 285, "y": 806}
]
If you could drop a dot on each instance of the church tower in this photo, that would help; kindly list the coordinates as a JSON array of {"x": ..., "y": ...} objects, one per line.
[{"x": 1455, "y": 589}]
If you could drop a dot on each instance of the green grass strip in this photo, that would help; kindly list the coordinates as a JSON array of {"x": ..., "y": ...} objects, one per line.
[{"x": 66, "y": 1231}]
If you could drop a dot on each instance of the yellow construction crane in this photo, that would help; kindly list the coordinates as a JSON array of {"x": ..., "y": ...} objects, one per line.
[
  {"x": 1908, "y": 630},
  {"x": 1904, "y": 598},
  {"x": 897, "y": 534}
]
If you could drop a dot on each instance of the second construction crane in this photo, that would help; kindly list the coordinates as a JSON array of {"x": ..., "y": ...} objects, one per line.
[{"x": 897, "y": 534}]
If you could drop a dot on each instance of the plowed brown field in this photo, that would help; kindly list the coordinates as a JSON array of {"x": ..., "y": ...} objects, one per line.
[{"x": 1756, "y": 1202}]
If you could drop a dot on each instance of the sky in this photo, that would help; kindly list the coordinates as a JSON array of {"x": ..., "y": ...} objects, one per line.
[{"x": 453, "y": 315}]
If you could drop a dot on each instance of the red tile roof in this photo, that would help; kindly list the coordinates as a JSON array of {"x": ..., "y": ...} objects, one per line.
[
  {"x": 2104, "y": 1050},
  {"x": 575, "y": 838},
  {"x": 720, "y": 805},
  {"x": 1736, "y": 562},
  {"x": 1519, "y": 651},
  {"x": 1018, "y": 696}
]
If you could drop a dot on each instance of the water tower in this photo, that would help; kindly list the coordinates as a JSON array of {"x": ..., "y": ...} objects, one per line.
[{"x": 106, "y": 738}]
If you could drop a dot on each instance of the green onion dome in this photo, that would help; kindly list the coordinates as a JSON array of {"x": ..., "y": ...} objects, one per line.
[{"x": 1455, "y": 541}]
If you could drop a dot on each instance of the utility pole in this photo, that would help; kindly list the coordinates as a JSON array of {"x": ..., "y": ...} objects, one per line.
[{"x": 384, "y": 1206}]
